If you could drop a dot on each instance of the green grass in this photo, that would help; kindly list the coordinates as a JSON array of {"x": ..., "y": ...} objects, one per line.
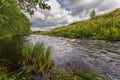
[
  {"x": 32, "y": 60},
  {"x": 103, "y": 27},
  {"x": 75, "y": 75},
  {"x": 37, "y": 56}
]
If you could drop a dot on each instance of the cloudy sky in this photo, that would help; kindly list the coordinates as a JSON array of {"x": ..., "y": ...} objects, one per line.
[{"x": 68, "y": 11}]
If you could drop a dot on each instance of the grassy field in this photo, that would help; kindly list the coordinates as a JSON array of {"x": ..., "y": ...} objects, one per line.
[{"x": 103, "y": 27}]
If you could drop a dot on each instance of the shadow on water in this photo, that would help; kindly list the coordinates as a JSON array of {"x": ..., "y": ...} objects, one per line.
[{"x": 10, "y": 52}]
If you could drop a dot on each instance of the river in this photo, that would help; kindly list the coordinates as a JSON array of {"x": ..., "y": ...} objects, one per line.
[{"x": 100, "y": 56}]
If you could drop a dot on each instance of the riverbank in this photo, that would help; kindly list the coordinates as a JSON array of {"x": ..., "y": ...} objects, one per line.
[
  {"x": 89, "y": 56},
  {"x": 103, "y": 27},
  {"x": 20, "y": 61}
]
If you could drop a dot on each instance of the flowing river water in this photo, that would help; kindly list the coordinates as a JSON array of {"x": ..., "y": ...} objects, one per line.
[{"x": 100, "y": 56}]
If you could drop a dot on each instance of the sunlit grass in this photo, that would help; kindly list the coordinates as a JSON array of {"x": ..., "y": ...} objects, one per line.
[{"x": 103, "y": 27}]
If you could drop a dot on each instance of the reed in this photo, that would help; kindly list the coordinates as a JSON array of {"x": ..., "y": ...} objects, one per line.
[{"x": 36, "y": 59}]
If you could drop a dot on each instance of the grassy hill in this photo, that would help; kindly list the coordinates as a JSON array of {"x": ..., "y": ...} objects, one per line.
[
  {"x": 105, "y": 27},
  {"x": 12, "y": 21}
]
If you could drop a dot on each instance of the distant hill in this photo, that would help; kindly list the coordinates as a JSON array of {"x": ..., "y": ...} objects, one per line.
[
  {"x": 12, "y": 21},
  {"x": 105, "y": 27}
]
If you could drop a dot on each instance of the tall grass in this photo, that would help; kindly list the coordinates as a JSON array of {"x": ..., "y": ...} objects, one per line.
[
  {"x": 35, "y": 60},
  {"x": 37, "y": 56}
]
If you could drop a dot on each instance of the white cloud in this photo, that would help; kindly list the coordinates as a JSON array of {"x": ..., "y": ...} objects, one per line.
[
  {"x": 39, "y": 15},
  {"x": 80, "y": 9}
]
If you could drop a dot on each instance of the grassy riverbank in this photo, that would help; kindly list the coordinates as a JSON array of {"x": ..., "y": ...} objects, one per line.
[
  {"x": 103, "y": 27},
  {"x": 33, "y": 62}
]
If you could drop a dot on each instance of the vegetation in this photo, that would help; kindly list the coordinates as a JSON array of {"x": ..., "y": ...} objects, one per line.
[
  {"x": 37, "y": 57},
  {"x": 10, "y": 50},
  {"x": 105, "y": 27},
  {"x": 12, "y": 21},
  {"x": 27, "y": 5},
  {"x": 93, "y": 14},
  {"x": 75, "y": 75},
  {"x": 30, "y": 5},
  {"x": 34, "y": 62},
  {"x": 55, "y": 75}
]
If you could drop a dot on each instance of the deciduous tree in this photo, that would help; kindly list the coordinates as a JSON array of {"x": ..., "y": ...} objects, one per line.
[
  {"x": 93, "y": 13},
  {"x": 27, "y": 5}
]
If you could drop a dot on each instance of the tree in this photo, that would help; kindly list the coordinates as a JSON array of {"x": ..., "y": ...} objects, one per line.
[
  {"x": 12, "y": 21},
  {"x": 27, "y": 5},
  {"x": 93, "y": 13},
  {"x": 3, "y": 3}
]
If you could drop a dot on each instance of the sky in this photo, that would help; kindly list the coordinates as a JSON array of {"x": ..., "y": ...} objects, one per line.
[{"x": 64, "y": 12}]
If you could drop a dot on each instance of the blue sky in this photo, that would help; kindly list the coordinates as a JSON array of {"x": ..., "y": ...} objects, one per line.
[
  {"x": 60, "y": 1},
  {"x": 68, "y": 11}
]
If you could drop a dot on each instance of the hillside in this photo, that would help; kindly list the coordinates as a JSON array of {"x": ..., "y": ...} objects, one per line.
[
  {"x": 105, "y": 27},
  {"x": 12, "y": 21}
]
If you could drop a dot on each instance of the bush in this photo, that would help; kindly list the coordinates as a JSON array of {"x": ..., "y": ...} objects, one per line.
[{"x": 12, "y": 21}]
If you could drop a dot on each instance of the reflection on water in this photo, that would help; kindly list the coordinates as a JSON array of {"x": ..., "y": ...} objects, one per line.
[{"x": 10, "y": 52}]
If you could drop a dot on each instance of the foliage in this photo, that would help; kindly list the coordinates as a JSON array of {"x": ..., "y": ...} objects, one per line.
[
  {"x": 75, "y": 75},
  {"x": 30, "y": 5},
  {"x": 3, "y": 3},
  {"x": 33, "y": 60},
  {"x": 55, "y": 75},
  {"x": 4, "y": 71},
  {"x": 10, "y": 52},
  {"x": 36, "y": 59},
  {"x": 27, "y": 5},
  {"x": 105, "y": 27},
  {"x": 12, "y": 21},
  {"x": 93, "y": 13}
]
